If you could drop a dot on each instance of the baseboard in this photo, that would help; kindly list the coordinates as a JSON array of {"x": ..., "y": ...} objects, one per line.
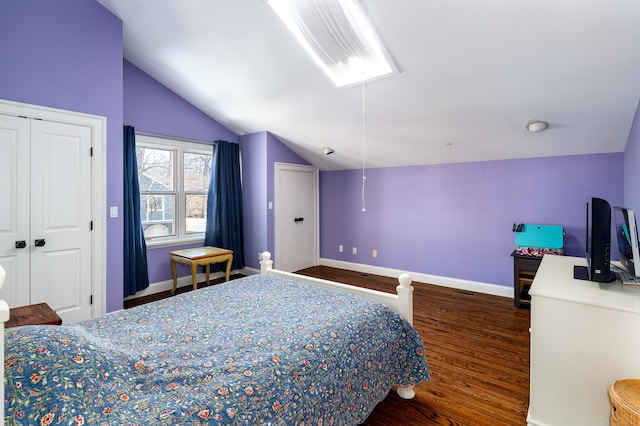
[
  {"x": 474, "y": 286},
  {"x": 249, "y": 271},
  {"x": 160, "y": 286}
]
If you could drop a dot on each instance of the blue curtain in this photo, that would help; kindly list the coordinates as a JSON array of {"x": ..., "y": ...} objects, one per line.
[
  {"x": 136, "y": 277},
  {"x": 224, "y": 203}
]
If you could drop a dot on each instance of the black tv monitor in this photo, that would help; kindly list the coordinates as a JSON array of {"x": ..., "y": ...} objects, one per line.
[
  {"x": 597, "y": 244},
  {"x": 627, "y": 237}
]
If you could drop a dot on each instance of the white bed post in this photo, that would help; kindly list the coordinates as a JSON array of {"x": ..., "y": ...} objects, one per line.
[
  {"x": 405, "y": 309},
  {"x": 265, "y": 262},
  {"x": 405, "y": 297},
  {"x": 4, "y": 317}
]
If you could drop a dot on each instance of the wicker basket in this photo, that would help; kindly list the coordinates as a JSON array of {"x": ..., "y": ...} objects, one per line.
[{"x": 625, "y": 403}]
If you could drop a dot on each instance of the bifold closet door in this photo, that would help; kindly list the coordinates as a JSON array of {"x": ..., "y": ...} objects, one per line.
[
  {"x": 61, "y": 218},
  {"x": 15, "y": 190},
  {"x": 45, "y": 228}
]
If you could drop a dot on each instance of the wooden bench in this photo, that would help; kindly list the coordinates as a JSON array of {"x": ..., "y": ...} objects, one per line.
[{"x": 199, "y": 256}]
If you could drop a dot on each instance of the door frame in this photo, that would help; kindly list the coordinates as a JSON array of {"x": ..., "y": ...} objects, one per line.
[
  {"x": 277, "y": 196},
  {"x": 98, "y": 126}
]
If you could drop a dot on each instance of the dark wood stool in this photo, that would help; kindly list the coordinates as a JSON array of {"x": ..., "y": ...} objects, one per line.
[{"x": 38, "y": 314}]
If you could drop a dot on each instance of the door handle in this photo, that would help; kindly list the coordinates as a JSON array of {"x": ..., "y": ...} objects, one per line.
[
  {"x": 39, "y": 243},
  {"x": 21, "y": 244},
  {"x": 298, "y": 219}
]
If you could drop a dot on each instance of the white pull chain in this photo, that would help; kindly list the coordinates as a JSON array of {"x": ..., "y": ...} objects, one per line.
[{"x": 364, "y": 178}]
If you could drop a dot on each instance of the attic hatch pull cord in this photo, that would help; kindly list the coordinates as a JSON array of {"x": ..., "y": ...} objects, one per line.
[{"x": 364, "y": 178}]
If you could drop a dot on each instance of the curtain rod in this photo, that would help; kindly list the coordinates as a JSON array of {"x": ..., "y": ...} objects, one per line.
[{"x": 177, "y": 138}]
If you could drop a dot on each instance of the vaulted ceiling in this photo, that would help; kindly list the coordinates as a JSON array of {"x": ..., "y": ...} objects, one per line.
[{"x": 471, "y": 75}]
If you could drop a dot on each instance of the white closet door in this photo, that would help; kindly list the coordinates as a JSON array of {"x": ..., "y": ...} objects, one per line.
[
  {"x": 61, "y": 218},
  {"x": 296, "y": 217},
  {"x": 15, "y": 172},
  {"x": 305, "y": 229}
]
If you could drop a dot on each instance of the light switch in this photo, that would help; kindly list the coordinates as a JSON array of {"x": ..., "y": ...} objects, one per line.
[{"x": 113, "y": 211}]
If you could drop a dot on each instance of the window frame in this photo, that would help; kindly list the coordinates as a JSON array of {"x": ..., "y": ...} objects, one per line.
[{"x": 179, "y": 147}]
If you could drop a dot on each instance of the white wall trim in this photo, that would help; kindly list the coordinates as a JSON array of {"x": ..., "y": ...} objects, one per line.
[
  {"x": 98, "y": 125},
  {"x": 185, "y": 281},
  {"x": 460, "y": 284},
  {"x": 250, "y": 271},
  {"x": 417, "y": 277}
]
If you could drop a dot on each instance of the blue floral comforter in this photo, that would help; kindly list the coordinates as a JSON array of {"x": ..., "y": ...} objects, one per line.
[{"x": 258, "y": 350}]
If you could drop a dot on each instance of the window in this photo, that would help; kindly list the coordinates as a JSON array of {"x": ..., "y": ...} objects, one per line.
[{"x": 174, "y": 179}]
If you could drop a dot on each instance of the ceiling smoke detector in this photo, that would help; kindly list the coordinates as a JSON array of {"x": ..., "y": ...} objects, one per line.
[
  {"x": 537, "y": 126},
  {"x": 327, "y": 150}
]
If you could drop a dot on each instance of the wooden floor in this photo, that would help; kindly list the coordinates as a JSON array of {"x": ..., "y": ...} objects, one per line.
[{"x": 477, "y": 347}]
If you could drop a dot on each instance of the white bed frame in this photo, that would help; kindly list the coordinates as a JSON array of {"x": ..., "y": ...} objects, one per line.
[
  {"x": 4, "y": 317},
  {"x": 401, "y": 302}
]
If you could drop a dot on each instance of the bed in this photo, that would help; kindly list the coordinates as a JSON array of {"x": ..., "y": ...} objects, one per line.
[{"x": 275, "y": 348}]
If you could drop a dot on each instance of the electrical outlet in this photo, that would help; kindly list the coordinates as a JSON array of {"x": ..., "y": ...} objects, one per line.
[
  {"x": 355, "y": 250},
  {"x": 375, "y": 253},
  {"x": 340, "y": 248}
]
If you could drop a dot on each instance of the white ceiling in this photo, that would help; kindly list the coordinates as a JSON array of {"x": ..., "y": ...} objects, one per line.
[{"x": 471, "y": 75}]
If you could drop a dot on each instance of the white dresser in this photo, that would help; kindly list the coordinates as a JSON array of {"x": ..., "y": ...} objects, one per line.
[{"x": 584, "y": 336}]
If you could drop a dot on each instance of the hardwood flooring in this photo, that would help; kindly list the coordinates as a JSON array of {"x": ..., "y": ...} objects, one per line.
[{"x": 477, "y": 347}]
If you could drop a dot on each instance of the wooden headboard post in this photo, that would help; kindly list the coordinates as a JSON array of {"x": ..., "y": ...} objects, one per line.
[{"x": 4, "y": 317}]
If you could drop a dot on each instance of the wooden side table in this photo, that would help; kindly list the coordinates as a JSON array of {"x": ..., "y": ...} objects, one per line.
[
  {"x": 199, "y": 256},
  {"x": 38, "y": 314},
  {"x": 524, "y": 270}
]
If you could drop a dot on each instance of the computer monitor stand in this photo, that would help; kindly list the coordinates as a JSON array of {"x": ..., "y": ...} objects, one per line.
[{"x": 581, "y": 273}]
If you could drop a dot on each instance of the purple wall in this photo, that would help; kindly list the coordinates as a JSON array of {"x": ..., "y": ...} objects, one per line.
[
  {"x": 68, "y": 55},
  {"x": 455, "y": 220},
  {"x": 631, "y": 169},
  {"x": 260, "y": 152},
  {"x": 277, "y": 152},
  {"x": 151, "y": 107},
  {"x": 254, "y": 195}
]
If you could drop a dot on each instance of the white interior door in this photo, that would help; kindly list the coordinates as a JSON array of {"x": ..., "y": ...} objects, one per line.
[
  {"x": 61, "y": 219},
  {"x": 46, "y": 215},
  {"x": 15, "y": 136},
  {"x": 296, "y": 217}
]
